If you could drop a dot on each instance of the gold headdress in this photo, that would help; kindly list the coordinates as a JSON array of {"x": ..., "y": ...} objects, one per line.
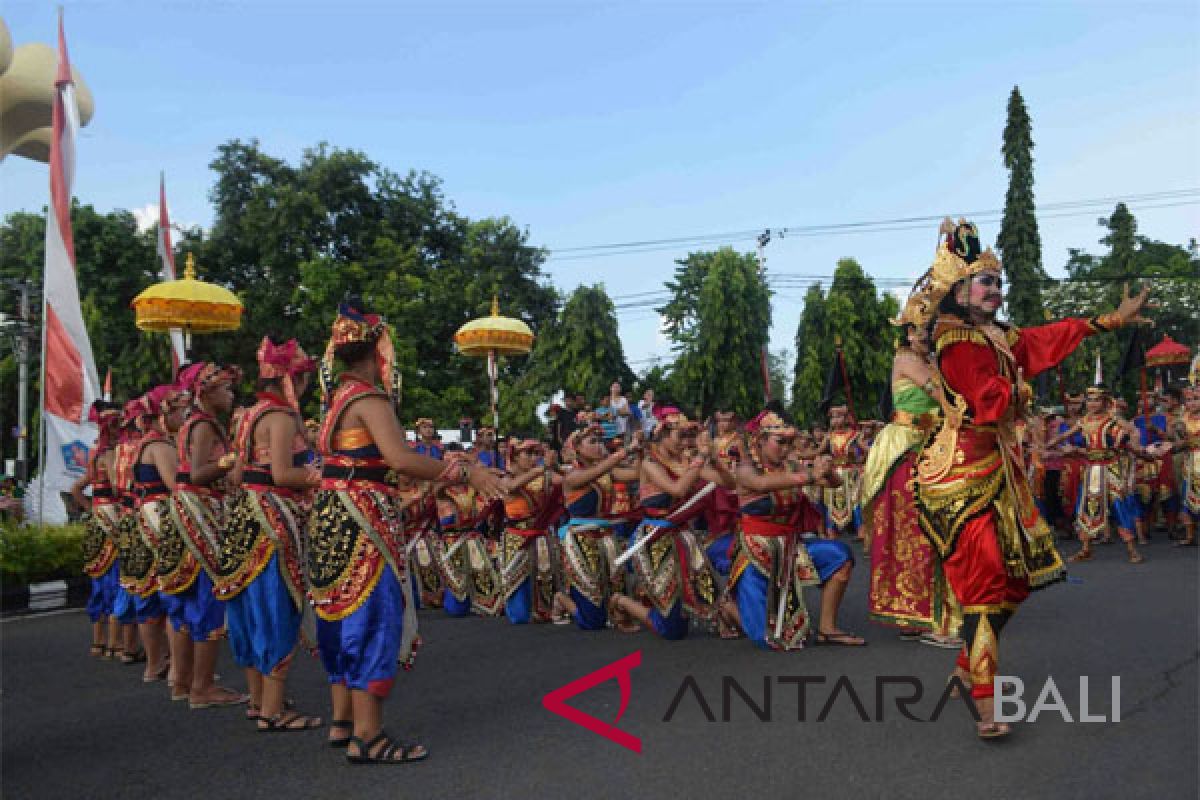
[{"x": 959, "y": 256}]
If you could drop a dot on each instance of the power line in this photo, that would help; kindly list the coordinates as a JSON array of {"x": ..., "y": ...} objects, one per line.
[{"x": 1075, "y": 208}]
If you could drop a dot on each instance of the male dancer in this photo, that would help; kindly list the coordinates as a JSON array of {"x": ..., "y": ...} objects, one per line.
[{"x": 972, "y": 497}]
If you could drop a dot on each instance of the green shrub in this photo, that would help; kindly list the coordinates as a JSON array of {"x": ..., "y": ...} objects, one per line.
[{"x": 31, "y": 555}]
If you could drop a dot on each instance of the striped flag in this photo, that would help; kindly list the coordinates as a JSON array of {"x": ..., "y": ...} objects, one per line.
[
  {"x": 166, "y": 255},
  {"x": 69, "y": 381}
]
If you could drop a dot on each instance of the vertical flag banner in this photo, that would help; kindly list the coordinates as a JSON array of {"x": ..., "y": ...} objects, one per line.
[
  {"x": 69, "y": 380},
  {"x": 166, "y": 256}
]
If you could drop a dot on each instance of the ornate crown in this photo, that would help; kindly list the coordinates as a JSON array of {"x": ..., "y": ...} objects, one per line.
[{"x": 959, "y": 256}]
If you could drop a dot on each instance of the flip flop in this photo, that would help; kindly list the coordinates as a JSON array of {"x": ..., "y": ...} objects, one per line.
[
  {"x": 840, "y": 639},
  {"x": 234, "y": 699}
]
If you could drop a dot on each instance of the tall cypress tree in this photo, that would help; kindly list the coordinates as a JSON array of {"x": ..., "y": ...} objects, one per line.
[
  {"x": 812, "y": 341},
  {"x": 1019, "y": 243}
]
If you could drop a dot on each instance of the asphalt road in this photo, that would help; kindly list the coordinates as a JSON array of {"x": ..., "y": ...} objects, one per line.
[{"x": 74, "y": 727}]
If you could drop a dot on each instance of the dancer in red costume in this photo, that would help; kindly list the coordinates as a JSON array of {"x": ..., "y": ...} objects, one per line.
[{"x": 973, "y": 499}]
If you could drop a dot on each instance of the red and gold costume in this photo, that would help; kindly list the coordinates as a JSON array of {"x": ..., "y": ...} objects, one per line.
[
  {"x": 464, "y": 561},
  {"x": 99, "y": 540},
  {"x": 972, "y": 495},
  {"x": 1188, "y": 434},
  {"x": 527, "y": 559},
  {"x": 842, "y": 501},
  {"x": 1104, "y": 479},
  {"x": 420, "y": 524}
]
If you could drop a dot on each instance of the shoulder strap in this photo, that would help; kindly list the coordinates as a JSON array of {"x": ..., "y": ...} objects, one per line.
[{"x": 342, "y": 398}]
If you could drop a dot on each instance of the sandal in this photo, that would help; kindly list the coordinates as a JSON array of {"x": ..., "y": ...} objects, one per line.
[
  {"x": 134, "y": 658},
  {"x": 937, "y": 640},
  {"x": 232, "y": 698},
  {"x": 254, "y": 713},
  {"x": 1136, "y": 558},
  {"x": 1082, "y": 555},
  {"x": 288, "y": 722},
  {"x": 158, "y": 675},
  {"x": 620, "y": 619},
  {"x": 388, "y": 749},
  {"x": 96, "y": 651},
  {"x": 341, "y": 741},
  {"x": 111, "y": 653},
  {"x": 992, "y": 730},
  {"x": 840, "y": 639}
]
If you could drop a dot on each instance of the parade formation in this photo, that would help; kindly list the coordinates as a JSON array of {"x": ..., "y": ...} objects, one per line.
[{"x": 216, "y": 521}]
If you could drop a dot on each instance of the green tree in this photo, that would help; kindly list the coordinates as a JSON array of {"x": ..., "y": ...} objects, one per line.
[
  {"x": 580, "y": 352},
  {"x": 777, "y": 369},
  {"x": 1094, "y": 285},
  {"x": 1019, "y": 242},
  {"x": 339, "y": 223},
  {"x": 114, "y": 262},
  {"x": 859, "y": 318},
  {"x": 812, "y": 355},
  {"x": 718, "y": 318}
]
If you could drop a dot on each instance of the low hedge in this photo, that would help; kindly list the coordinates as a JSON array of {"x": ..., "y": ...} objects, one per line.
[{"x": 32, "y": 555}]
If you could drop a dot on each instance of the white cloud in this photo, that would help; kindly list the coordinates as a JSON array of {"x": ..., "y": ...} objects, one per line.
[{"x": 146, "y": 216}]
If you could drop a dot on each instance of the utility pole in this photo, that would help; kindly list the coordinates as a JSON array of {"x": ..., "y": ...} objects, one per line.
[
  {"x": 764, "y": 239},
  {"x": 21, "y": 329}
]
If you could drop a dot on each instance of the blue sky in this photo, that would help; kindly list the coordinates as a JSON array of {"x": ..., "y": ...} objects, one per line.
[{"x": 592, "y": 123}]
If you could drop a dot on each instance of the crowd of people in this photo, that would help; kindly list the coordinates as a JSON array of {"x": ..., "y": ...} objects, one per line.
[{"x": 212, "y": 521}]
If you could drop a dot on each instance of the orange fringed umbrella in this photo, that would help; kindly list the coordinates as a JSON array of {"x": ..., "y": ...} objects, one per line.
[{"x": 494, "y": 336}]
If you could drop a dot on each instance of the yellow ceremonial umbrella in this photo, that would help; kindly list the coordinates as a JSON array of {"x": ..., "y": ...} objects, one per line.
[
  {"x": 189, "y": 305},
  {"x": 494, "y": 336}
]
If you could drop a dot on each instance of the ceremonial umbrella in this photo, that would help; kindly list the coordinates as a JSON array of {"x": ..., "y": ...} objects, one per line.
[
  {"x": 188, "y": 304},
  {"x": 1168, "y": 353},
  {"x": 494, "y": 336}
]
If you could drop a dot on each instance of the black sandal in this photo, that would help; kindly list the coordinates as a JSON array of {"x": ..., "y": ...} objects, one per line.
[
  {"x": 286, "y": 722},
  {"x": 96, "y": 651},
  {"x": 389, "y": 749},
  {"x": 134, "y": 658},
  {"x": 341, "y": 741},
  {"x": 841, "y": 639},
  {"x": 254, "y": 713}
]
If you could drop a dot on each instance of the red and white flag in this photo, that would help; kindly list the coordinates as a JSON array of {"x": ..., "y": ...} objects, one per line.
[
  {"x": 166, "y": 255},
  {"x": 70, "y": 384}
]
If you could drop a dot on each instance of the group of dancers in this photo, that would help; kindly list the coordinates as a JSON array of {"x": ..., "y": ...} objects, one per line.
[{"x": 209, "y": 521}]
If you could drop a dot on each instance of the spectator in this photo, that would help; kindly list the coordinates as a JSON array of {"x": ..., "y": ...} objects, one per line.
[
  {"x": 562, "y": 420},
  {"x": 619, "y": 408},
  {"x": 428, "y": 441},
  {"x": 604, "y": 416},
  {"x": 646, "y": 407},
  {"x": 485, "y": 446}
]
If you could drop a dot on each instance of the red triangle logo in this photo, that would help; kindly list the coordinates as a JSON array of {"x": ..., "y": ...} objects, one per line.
[{"x": 619, "y": 669}]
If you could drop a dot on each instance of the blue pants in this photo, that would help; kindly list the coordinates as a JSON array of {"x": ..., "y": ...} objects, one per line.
[
  {"x": 718, "y": 554},
  {"x": 673, "y": 626},
  {"x": 519, "y": 605},
  {"x": 264, "y": 623},
  {"x": 588, "y": 617},
  {"x": 751, "y": 594},
  {"x": 828, "y": 556},
  {"x": 200, "y": 613},
  {"x": 103, "y": 598},
  {"x": 360, "y": 651},
  {"x": 130, "y": 609}
]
